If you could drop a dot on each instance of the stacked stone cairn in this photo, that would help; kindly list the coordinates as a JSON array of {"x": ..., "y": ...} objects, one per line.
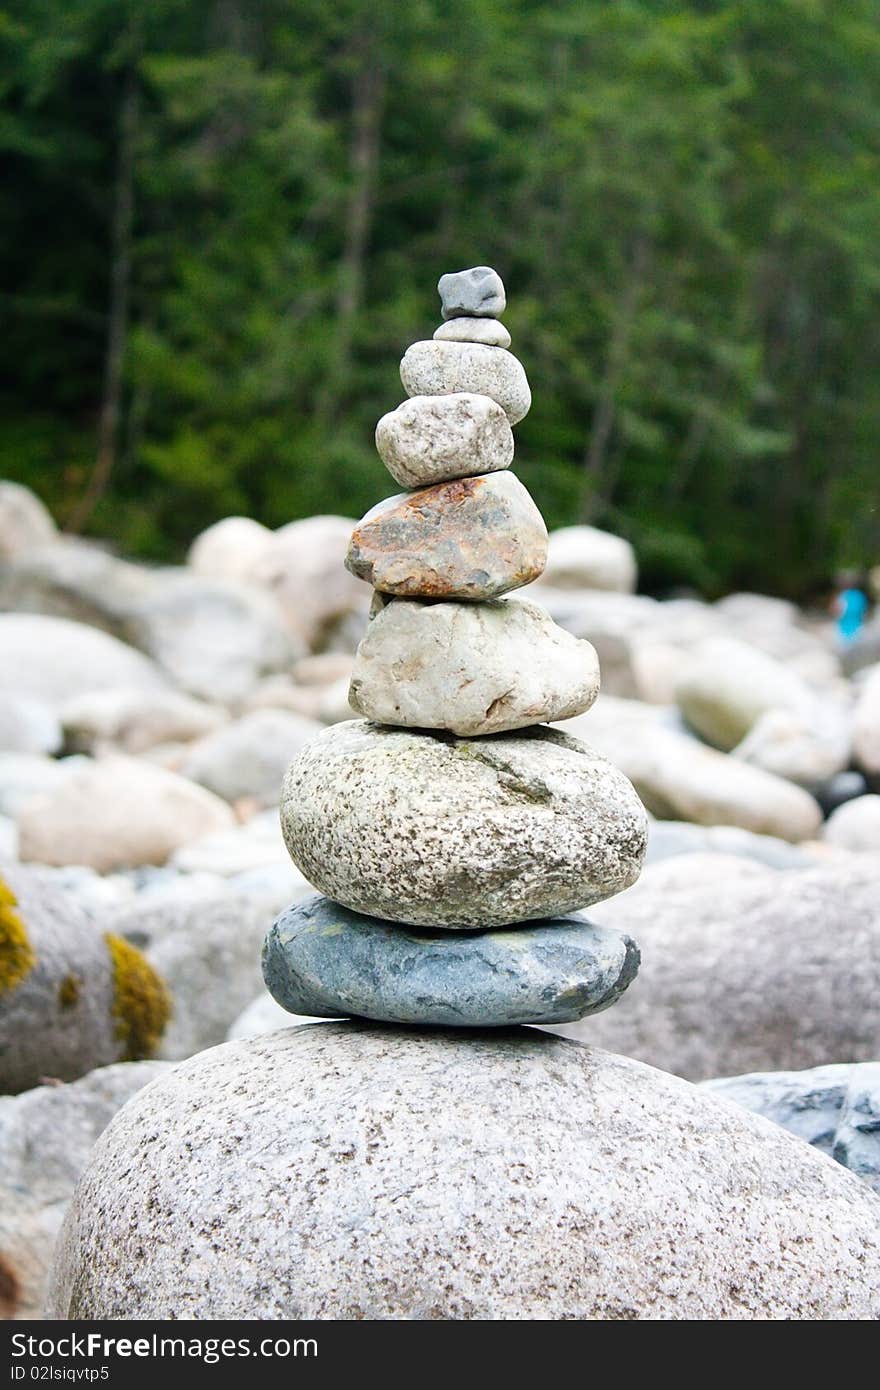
[{"x": 452, "y": 835}]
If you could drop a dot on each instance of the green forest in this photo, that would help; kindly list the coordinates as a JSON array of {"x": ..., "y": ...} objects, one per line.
[{"x": 223, "y": 222}]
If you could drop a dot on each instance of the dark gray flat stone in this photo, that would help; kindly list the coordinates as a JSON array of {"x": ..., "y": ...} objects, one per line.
[{"x": 321, "y": 959}]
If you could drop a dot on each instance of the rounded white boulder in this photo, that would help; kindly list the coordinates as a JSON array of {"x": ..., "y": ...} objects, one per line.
[{"x": 345, "y": 1172}]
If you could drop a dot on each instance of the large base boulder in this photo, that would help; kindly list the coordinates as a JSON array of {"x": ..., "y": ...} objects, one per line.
[{"x": 345, "y": 1172}]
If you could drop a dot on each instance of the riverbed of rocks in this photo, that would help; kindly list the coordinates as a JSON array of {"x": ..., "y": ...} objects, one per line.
[{"x": 147, "y": 719}]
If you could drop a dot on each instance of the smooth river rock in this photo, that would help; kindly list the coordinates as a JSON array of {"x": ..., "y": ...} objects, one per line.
[
  {"x": 460, "y": 833},
  {"x": 582, "y": 557},
  {"x": 53, "y": 660},
  {"x": 679, "y": 778},
  {"x": 340, "y": 1171},
  {"x": 438, "y": 369},
  {"x": 25, "y": 523},
  {"x": 726, "y": 685},
  {"x": 474, "y": 538},
  {"x": 471, "y": 330},
  {"x": 430, "y": 439},
  {"x": 471, "y": 668},
  {"x": 855, "y": 826},
  {"x": 321, "y": 959},
  {"x": 475, "y": 293},
  {"x": 118, "y": 813}
]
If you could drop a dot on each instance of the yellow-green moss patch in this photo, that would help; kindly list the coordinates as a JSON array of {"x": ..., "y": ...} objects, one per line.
[
  {"x": 141, "y": 1003},
  {"x": 68, "y": 992},
  {"x": 17, "y": 955}
]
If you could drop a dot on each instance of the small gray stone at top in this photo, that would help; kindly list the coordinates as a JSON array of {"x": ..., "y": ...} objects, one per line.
[{"x": 476, "y": 293}]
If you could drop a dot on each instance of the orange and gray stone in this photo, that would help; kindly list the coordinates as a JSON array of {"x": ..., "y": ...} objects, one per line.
[{"x": 473, "y": 538}]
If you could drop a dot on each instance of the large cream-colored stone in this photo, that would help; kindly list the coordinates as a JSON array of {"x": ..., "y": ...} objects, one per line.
[
  {"x": 230, "y": 548},
  {"x": 476, "y": 668},
  {"x": 430, "y": 439},
  {"x": 438, "y": 369},
  {"x": 725, "y": 685},
  {"x": 25, "y": 524},
  {"x": 460, "y": 833}
]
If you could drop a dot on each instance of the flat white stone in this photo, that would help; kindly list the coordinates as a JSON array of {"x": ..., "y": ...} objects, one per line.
[
  {"x": 471, "y": 668},
  {"x": 467, "y": 330}
]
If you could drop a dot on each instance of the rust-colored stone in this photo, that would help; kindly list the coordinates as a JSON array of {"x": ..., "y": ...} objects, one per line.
[{"x": 472, "y": 538}]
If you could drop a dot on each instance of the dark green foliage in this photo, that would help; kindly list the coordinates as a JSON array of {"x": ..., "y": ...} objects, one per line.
[{"x": 683, "y": 199}]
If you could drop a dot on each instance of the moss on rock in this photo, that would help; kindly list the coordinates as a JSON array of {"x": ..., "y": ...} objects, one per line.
[
  {"x": 142, "y": 1004},
  {"x": 17, "y": 955},
  {"x": 68, "y": 992}
]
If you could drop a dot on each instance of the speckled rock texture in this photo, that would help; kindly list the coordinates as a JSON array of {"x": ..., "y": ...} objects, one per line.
[
  {"x": 430, "y": 439},
  {"x": 471, "y": 668},
  {"x": 469, "y": 330},
  {"x": 46, "y": 1136},
  {"x": 477, "y": 292},
  {"x": 437, "y": 369},
  {"x": 340, "y": 1171},
  {"x": 747, "y": 968},
  {"x": 118, "y": 813},
  {"x": 71, "y": 996},
  {"x": 460, "y": 833},
  {"x": 834, "y": 1108},
  {"x": 473, "y": 538},
  {"x": 321, "y": 959}
]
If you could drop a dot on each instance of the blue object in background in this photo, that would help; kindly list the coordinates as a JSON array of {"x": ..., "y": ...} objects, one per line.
[{"x": 852, "y": 607}]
